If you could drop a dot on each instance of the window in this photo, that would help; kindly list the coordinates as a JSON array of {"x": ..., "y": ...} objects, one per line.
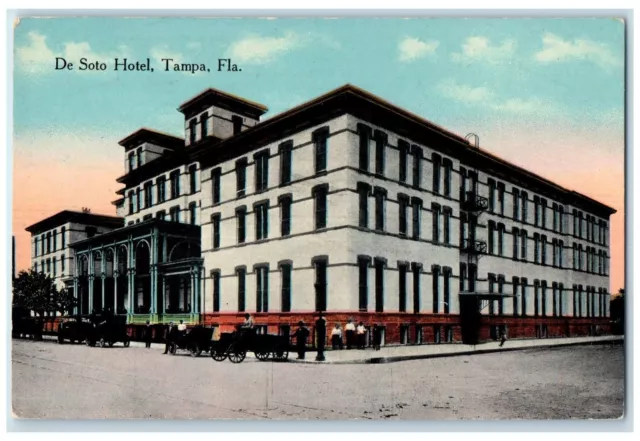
[
  {"x": 286, "y": 151},
  {"x": 403, "y": 146},
  {"x": 131, "y": 161},
  {"x": 543, "y": 300},
  {"x": 262, "y": 170},
  {"x": 363, "y": 204},
  {"x": 404, "y": 334},
  {"x": 447, "y": 165},
  {"x": 215, "y": 275},
  {"x": 161, "y": 214},
  {"x": 160, "y": 189},
  {"x": 516, "y": 203},
  {"x": 62, "y": 265},
  {"x": 536, "y": 248},
  {"x": 285, "y": 274},
  {"x": 435, "y": 275},
  {"x": 501, "y": 197},
  {"x": 416, "y": 221},
  {"x": 55, "y": 240},
  {"x": 192, "y": 213},
  {"x": 561, "y": 218},
  {"x": 515, "y": 235},
  {"x": 241, "y": 177},
  {"x": 63, "y": 237},
  {"x": 447, "y": 225},
  {"x": 555, "y": 217},
  {"x": 554, "y": 291},
  {"x": 138, "y": 203},
  {"x": 131, "y": 202},
  {"x": 536, "y": 211},
  {"x": 402, "y": 286},
  {"x": 492, "y": 195},
  {"x": 543, "y": 243},
  {"x": 501, "y": 239},
  {"x": 139, "y": 157},
  {"x": 416, "y": 269},
  {"x": 262, "y": 288},
  {"x": 192, "y": 131},
  {"x": 437, "y": 334},
  {"x": 320, "y": 138},
  {"x": 364, "y": 134},
  {"x": 215, "y": 224},
  {"x": 379, "y": 272},
  {"x": 215, "y": 185},
  {"x": 320, "y": 285},
  {"x": 36, "y": 247},
  {"x": 192, "y": 178},
  {"x": 148, "y": 195},
  {"x": 525, "y": 298},
  {"x": 203, "y": 124},
  {"x": 241, "y": 221},
  {"x": 285, "y": 215},
  {"x": 500, "y": 291},
  {"x": 543, "y": 212},
  {"x": 491, "y": 280},
  {"x": 262, "y": 220},
  {"x": 492, "y": 228},
  {"x": 319, "y": 194},
  {"x": 53, "y": 265},
  {"x": 417, "y": 169},
  {"x": 175, "y": 183},
  {"x": 380, "y": 195},
  {"x": 363, "y": 282},
  {"x": 237, "y": 124},
  {"x": 463, "y": 276},
  {"x": 516, "y": 282},
  {"x": 435, "y": 212},
  {"x": 446, "y": 285},
  {"x": 381, "y": 143},
  {"x": 42, "y": 244},
  {"x": 48, "y": 243},
  {"x": 403, "y": 206},
  {"x": 174, "y": 214},
  {"x": 437, "y": 161},
  {"x": 241, "y": 273},
  {"x": 525, "y": 202}
]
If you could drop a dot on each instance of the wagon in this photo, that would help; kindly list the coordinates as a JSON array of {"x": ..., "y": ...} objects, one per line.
[
  {"x": 195, "y": 341},
  {"x": 235, "y": 346},
  {"x": 74, "y": 330},
  {"x": 108, "y": 330}
]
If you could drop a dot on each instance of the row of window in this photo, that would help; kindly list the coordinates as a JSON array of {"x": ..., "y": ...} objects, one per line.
[
  {"x": 50, "y": 266},
  {"x": 135, "y": 158},
  {"x": 48, "y": 243},
  {"x": 261, "y": 211},
  {"x": 144, "y": 198},
  {"x": 589, "y": 228},
  {"x": 175, "y": 215},
  {"x": 201, "y": 121},
  {"x": 261, "y": 274}
]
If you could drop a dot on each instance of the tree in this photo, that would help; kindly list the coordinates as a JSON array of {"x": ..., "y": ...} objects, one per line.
[
  {"x": 37, "y": 292},
  {"x": 616, "y": 309}
]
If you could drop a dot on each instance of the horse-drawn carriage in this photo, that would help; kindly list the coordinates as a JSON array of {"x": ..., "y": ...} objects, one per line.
[
  {"x": 235, "y": 345},
  {"x": 102, "y": 330},
  {"x": 196, "y": 340}
]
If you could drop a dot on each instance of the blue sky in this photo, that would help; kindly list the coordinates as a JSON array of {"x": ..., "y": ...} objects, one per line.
[{"x": 455, "y": 72}]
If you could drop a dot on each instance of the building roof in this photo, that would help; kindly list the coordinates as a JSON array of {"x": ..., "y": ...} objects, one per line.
[
  {"x": 152, "y": 136},
  {"x": 211, "y": 96},
  {"x": 65, "y": 216},
  {"x": 368, "y": 107}
]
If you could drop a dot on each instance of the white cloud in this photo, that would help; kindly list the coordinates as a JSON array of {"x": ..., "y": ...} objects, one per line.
[
  {"x": 555, "y": 49},
  {"x": 464, "y": 92},
  {"x": 259, "y": 50},
  {"x": 37, "y": 58},
  {"x": 523, "y": 106},
  {"x": 411, "y": 48},
  {"x": 479, "y": 49}
]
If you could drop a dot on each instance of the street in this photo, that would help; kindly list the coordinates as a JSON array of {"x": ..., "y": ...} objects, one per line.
[{"x": 77, "y": 382}]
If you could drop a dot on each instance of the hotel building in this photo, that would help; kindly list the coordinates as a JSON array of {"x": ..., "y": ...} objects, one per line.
[{"x": 348, "y": 205}]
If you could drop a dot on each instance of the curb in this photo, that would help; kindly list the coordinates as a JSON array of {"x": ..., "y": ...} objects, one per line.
[{"x": 397, "y": 358}]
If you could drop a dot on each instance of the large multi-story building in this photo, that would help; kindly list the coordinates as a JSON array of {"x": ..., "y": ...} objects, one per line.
[{"x": 348, "y": 205}]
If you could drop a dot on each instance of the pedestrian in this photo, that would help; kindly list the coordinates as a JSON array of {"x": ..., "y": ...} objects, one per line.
[
  {"x": 377, "y": 336},
  {"x": 361, "y": 333},
  {"x": 503, "y": 337},
  {"x": 321, "y": 336},
  {"x": 148, "y": 334},
  {"x": 336, "y": 337},
  {"x": 167, "y": 337},
  {"x": 351, "y": 333},
  {"x": 301, "y": 335}
]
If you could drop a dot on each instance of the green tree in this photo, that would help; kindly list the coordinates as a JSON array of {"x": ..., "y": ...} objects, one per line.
[
  {"x": 616, "y": 310},
  {"x": 37, "y": 292}
]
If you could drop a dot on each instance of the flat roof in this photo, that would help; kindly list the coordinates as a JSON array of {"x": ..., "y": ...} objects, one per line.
[{"x": 80, "y": 217}]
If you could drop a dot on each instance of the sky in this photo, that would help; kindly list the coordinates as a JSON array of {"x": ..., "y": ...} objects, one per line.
[{"x": 545, "y": 94}]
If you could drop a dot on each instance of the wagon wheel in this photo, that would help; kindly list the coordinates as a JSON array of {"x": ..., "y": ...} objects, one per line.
[
  {"x": 262, "y": 355},
  {"x": 281, "y": 355},
  {"x": 102, "y": 342},
  {"x": 236, "y": 355},
  {"x": 126, "y": 343},
  {"x": 218, "y": 355},
  {"x": 173, "y": 349},
  {"x": 195, "y": 350}
]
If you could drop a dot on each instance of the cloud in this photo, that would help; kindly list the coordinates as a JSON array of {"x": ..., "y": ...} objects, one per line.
[
  {"x": 464, "y": 92},
  {"x": 411, "y": 48},
  {"x": 479, "y": 49},
  {"x": 556, "y": 49},
  {"x": 37, "y": 58},
  {"x": 255, "y": 49},
  {"x": 522, "y": 106}
]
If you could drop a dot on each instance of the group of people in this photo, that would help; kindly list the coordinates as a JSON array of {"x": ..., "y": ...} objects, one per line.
[
  {"x": 170, "y": 332},
  {"x": 356, "y": 336}
]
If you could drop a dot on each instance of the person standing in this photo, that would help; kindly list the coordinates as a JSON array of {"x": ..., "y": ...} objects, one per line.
[
  {"x": 351, "y": 333},
  {"x": 148, "y": 334},
  {"x": 336, "y": 337},
  {"x": 503, "y": 337},
  {"x": 301, "y": 335},
  {"x": 377, "y": 336},
  {"x": 361, "y": 333},
  {"x": 321, "y": 335},
  {"x": 167, "y": 337}
]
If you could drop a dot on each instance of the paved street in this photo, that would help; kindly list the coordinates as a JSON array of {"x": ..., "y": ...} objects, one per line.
[{"x": 74, "y": 381}]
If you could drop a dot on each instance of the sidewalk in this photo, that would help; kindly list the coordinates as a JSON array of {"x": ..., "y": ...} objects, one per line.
[{"x": 401, "y": 353}]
